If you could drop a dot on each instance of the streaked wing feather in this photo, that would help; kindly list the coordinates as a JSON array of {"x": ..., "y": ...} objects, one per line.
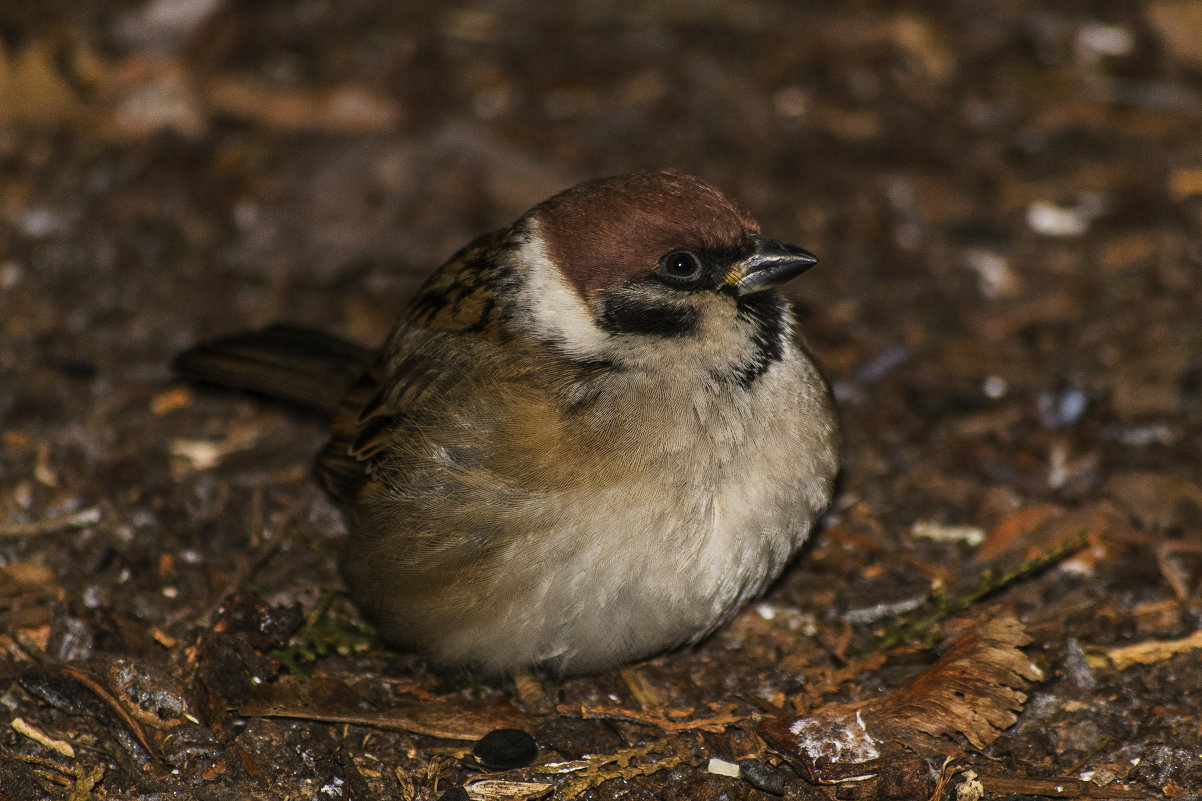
[{"x": 457, "y": 299}]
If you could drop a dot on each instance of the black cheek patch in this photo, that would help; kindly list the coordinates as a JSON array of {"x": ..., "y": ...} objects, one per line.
[{"x": 627, "y": 314}]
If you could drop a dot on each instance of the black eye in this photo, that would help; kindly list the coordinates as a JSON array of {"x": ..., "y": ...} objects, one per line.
[{"x": 681, "y": 264}]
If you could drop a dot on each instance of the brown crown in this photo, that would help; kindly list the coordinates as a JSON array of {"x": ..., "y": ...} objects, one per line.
[{"x": 605, "y": 231}]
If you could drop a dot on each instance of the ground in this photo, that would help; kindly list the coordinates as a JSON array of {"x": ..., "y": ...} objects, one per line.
[{"x": 1006, "y": 198}]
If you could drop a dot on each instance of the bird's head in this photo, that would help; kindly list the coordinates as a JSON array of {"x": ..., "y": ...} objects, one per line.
[{"x": 654, "y": 268}]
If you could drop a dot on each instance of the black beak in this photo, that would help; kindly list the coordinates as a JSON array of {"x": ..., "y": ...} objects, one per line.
[{"x": 772, "y": 263}]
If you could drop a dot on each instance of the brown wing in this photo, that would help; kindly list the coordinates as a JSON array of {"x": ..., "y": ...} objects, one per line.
[{"x": 427, "y": 355}]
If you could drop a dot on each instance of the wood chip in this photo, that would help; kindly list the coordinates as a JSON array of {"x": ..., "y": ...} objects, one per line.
[{"x": 721, "y": 767}]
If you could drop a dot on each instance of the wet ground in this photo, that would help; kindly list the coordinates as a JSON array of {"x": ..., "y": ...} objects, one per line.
[{"x": 1007, "y": 201}]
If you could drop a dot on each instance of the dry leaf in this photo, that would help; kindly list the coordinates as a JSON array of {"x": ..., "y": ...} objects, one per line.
[
  {"x": 1012, "y": 529},
  {"x": 972, "y": 691}
]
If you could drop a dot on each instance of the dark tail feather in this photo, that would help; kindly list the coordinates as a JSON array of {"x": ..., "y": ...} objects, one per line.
[{"x": 299, "y": 365}]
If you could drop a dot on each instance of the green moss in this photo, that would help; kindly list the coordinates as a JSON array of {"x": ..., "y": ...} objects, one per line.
[{"x": 320, "y": 635}]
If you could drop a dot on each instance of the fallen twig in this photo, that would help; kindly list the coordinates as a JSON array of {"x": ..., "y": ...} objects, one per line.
[
  {"x": 1054, "y": 787},
  {"x": 38, "y": 736},
  {"x": 1148, "y": 652},
  {"x": 52, "y": 525},
  {"x": 987, "y": 584}
]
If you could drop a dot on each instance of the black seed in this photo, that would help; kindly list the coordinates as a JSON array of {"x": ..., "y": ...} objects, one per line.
[{"x": 505, "y": 749}]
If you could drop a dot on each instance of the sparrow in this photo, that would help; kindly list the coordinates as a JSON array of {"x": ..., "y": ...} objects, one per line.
[{"x": 590, "y": 438}]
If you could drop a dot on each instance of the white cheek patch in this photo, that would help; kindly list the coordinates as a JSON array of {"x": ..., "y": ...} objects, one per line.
[{"x": 557, "y": 314}]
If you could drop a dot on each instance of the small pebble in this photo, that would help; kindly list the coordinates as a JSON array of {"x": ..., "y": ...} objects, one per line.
[{"x": 505, "y": 749}]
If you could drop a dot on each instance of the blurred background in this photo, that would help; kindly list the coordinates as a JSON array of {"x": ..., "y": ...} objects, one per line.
[{"x": 1006, "y": 198}]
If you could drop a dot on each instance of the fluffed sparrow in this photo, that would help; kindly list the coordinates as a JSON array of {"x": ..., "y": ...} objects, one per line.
[{"x": 590, "y": 437}]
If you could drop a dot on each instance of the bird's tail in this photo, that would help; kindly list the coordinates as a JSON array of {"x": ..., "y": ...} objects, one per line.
[{"x": 302, "y": 366}]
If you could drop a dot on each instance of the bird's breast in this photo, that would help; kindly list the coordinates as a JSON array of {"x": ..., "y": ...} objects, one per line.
[{"x": 580, "y": 537}]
